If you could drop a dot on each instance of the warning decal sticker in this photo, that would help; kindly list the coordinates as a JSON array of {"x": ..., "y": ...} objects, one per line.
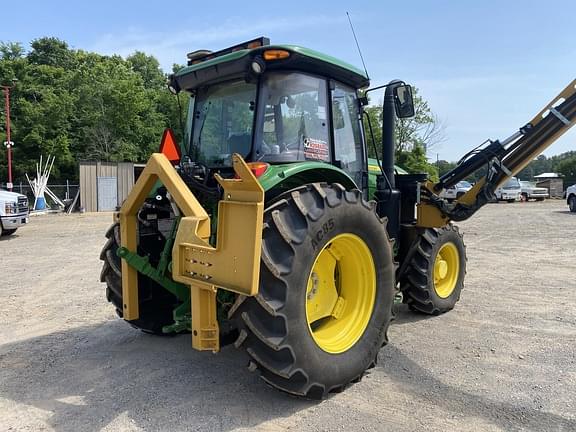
[{"x": 315, "y": 149}]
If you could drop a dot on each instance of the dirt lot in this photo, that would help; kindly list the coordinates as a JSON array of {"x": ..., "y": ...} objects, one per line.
[{"x": 504, "y": 359}]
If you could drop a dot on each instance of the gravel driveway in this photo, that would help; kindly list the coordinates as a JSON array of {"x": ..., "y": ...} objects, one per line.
[{"x": 503, "y": 360}]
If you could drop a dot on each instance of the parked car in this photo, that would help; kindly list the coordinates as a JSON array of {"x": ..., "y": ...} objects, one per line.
[
  {"x": 531, "y": 191},
  {"x": 13, "y": 212},
  {"x": 510, "y": 191},
  {"x": 571, "y": 198},
  {"x": 456, "y": 191}
]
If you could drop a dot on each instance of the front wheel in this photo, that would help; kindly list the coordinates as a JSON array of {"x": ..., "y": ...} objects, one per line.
[
  {"x": 326, "y": 292},
  {"x": 6, "y": 232},
  {"x": 435, "y": 274}
]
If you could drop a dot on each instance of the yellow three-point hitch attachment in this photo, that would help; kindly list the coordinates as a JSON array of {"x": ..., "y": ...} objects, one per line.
[{"x": 234, "y": 264}]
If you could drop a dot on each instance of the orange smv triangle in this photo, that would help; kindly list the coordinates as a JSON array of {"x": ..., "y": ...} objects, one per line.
[{"x": 169, "y": 148}]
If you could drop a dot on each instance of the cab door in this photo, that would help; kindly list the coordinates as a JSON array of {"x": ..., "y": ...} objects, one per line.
[{"x": 348, "y": 144}]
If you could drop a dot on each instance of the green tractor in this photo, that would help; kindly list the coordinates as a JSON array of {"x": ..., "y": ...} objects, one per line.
[{"x": 270, "y": 228}]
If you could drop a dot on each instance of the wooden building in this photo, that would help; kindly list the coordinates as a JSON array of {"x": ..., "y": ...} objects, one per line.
[{"x": 551, "y": 181}]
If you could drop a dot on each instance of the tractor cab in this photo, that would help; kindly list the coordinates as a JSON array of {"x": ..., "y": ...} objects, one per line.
[{"x": 274, "y": 105}]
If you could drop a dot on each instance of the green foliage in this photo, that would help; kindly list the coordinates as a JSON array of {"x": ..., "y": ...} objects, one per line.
[
  {"x": 564, "y": 163},
  {"x": 444, "y": 166},
  {"x": 415, "y": 161},
  {"x": 567, "y": 167},
  {"x": 538, "y": 166},
  {"x": 79, "y": 105},
  {"x": 414, "y": 136}
]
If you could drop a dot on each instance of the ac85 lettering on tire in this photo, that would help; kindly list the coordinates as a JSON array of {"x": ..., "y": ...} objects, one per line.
[{"x": 326, "y": 228}]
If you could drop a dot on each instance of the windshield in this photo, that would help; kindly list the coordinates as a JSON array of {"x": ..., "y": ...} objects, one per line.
[
  {"x": 513, "y": 183},
  {"x": 223, "y": 121},
  {"x": 464, "y": 184},
  {"x": 294, "y": 126}
]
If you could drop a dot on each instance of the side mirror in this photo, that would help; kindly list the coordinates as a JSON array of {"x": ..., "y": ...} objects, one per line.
[{"x": 403, "y": 101}]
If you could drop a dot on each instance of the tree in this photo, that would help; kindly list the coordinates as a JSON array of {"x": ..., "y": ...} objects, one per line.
[
  {"x": 148, "y": 68},
  {"x": 50, "y": 51},
  {"x": 567, "y": 167},
  {"x": 538, "y": 166},
  {"x": 424, "y": 129},
  {"x": 444, "y": 166},
  {"x": 414, "y": 136},
  {"x": 80, "y": 105},
  {"x": 415, "y": 161},
  {"x": 11, "y": 51}
]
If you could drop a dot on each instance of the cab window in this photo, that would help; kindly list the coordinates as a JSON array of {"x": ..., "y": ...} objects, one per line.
[
  {"x": 295, "y": 126},
  {"x": 348, "y": 151}
]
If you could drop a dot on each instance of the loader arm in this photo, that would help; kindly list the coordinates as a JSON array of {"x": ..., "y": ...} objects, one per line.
[{"x": 502, "y": 159}]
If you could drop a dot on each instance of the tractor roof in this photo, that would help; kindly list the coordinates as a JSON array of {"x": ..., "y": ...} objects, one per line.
[{"x": 219, "y": 66}]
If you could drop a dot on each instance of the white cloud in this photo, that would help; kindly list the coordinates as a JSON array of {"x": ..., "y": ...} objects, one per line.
[{"x": 171, "y": 46}]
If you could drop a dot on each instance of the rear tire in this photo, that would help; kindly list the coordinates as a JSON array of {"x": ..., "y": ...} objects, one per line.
[
  {"x": 155, "y": 303},
  {"x": 428, "y": 285},
  {"x": 292, "y": 353}
]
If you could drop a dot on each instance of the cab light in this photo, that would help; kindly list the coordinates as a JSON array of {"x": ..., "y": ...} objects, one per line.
[
  {"x": 169, "y": 147},
  {"x": 275, "y": 54},
  {"x": 258, "y": 168}
]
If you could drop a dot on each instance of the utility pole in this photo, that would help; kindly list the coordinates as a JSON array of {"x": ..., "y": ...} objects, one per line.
[{"x": 9, "y": 144}]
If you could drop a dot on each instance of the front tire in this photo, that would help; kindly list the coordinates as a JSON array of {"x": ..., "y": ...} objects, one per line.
[
  {"x": 326, "y": 292},
  {"x": 572, "y": 203},
  {"x": 6, "y": 232},
  {"x": 435, "y": 275}
]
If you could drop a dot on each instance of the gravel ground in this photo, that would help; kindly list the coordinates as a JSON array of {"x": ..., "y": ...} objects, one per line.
[{"x": 503, "y": 360}]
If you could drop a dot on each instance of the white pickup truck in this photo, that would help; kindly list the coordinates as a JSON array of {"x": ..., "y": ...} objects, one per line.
[
  {"x": 531, "y": 191},
  {"x": 571, "y": 198},
  {"x": 13, "y": 212},
  {"x": 456, "y": 191},
  {"x": 510, "y": 191}
]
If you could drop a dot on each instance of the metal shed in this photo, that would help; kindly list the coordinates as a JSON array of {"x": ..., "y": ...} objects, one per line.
[{"x": 105, "y": 185}]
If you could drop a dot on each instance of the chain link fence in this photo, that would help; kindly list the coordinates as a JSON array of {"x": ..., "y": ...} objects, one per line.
[{"x": 65, "y": 191}]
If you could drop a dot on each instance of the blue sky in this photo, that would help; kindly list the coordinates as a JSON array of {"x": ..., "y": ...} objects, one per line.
[{"x": 485, "y": 67}]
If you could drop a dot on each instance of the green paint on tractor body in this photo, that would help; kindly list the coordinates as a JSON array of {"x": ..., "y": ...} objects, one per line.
[{"x": 291, "y": 175}]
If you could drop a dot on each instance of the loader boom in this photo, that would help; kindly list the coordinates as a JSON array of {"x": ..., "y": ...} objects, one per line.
[{"x": 503, "y": 160}]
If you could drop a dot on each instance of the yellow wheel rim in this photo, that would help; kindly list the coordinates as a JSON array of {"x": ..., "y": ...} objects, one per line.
[
  {"x": 340, "y": 294},
  {"x": 446, "y": 270}
]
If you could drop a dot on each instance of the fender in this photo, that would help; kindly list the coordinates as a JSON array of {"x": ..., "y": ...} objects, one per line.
[{"x": 280, "y": 178}]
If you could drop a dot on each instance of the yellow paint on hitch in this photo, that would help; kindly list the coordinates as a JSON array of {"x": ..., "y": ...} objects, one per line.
[{"x": 234, "y": 264}]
